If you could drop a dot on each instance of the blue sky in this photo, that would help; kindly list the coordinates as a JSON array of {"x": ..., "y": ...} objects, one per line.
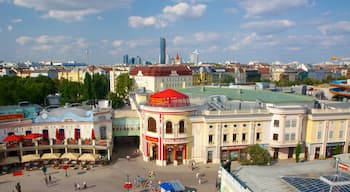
[{"x": 308, "y": 31}]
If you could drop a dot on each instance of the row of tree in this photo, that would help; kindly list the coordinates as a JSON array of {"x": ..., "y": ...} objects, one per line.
[{"x": 35, "y": 89}]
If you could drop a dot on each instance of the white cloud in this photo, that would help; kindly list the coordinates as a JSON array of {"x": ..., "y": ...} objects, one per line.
[
  {"x": 100, "y": 18},
  {"x": 70, "y": 10},
  {"x": 183, "y": 9},
  {"x": 168, "y": 15},
  {"x": 58, "y": 44},
  {"x": 269, "y": 26},
  {"x": 258, "y": 7},
  {"x": 252, "y": 39},
  {"x": 9, "y": 28},
  {"x": 206, "y": 36},
  {"x": 0, "y": 29},
  {"x": 136, "y": 21},
  {"x": 16, "y": 20},
  {"x": 178, "y": 40},
  {"x": 336, "y": 28},
  {"x": 117, "y": 43}
]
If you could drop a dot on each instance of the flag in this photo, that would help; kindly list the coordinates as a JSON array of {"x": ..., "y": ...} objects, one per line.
[{"x": 343, "y": 166}]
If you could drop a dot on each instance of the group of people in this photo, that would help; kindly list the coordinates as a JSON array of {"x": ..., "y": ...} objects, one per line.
[{"x": 78, "y": 187}]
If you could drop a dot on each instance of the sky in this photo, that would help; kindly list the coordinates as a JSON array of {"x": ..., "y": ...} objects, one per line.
[{"x": 102, "y": 31}]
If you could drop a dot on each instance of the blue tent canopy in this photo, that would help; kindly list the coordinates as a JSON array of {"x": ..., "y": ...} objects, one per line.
[{"x": 173, "y": 186}]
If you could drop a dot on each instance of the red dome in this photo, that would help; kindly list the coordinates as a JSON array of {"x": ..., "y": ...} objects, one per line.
[{"x": 169, "y": 98}]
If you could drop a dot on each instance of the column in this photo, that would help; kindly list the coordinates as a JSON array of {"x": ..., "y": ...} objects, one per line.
[
  {"x": 108, "y": 154},
  {"x": 174, "y": 153},
  {"x": 185, "y": 152}
]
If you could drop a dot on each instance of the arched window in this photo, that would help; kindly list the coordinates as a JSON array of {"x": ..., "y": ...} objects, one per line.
[
  {"x": 152, "y": 125},
  {"x": 168, "y": 127},
  {"x": 182, "y": 126}
]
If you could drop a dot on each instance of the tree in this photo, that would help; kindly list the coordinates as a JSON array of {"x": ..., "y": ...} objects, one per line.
[
  {"x": 337, "y": 150},
  {"x": 297, "y": 152},
  {"x": 70, "y": 91},
  {"x": 87, "y": 87},
  {"x": 99, "y": 86},
  {"x": 123, "y": 85},
  {"x": 257, "y": 155},
  {"x": 117, "y": 102}
]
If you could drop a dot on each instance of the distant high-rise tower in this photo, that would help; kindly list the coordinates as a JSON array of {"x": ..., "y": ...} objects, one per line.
[
  {"x": 162, "y": 51},
  {"x": 126, "y": 59},
  {"x": 194, "y": 57}
]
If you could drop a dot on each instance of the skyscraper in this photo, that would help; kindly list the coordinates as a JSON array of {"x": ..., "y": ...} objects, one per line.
[
  {"x": 126, "y": 59},
  {"x": 162, "y": 51}
]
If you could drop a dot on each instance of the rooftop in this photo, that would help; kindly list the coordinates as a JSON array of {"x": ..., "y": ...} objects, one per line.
[{"x": 246, "y": 94}]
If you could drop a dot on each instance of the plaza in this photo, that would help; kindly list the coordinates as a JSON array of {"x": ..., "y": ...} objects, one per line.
[{"x": 112, "y": 177}]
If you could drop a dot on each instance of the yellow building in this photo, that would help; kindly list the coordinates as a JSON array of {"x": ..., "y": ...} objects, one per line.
[
  {"x": 327, "y": 130},
  {"x": 76, "y": 74}
]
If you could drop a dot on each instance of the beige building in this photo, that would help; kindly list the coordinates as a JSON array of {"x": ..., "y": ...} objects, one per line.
[{"x": 159, "y": 77}]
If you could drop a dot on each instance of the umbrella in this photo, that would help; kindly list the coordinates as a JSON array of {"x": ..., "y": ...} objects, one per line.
[
  {"x": 57, "y": 134},
  {"x": 93, "y": 134},
  {"x": 88, "y": 157},
  {"x": 32, "y": 136},
  {"x": 12, "y": 138},
  {"x": 30, "y": 157},
  {"x": 70, "y": 156},
  {"x": 48, "y": 156}
]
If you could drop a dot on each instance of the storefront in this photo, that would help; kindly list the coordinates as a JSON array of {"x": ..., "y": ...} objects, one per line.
[{"x": 233, "y": 153}]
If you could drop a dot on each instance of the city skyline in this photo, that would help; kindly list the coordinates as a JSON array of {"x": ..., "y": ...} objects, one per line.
[{"x": 300, "y": 30}]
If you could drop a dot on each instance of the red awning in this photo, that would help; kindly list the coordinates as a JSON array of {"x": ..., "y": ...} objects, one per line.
[
  {"x": 57, "y": 134},
  {"x": 13, "y": 138},
  {"x": 32, "y": 136}
]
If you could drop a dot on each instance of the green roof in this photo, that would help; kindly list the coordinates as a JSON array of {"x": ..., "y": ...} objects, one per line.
[{"x": 246, "y": 94}]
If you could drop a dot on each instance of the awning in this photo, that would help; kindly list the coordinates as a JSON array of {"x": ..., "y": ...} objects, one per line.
[
  {"x": 48, "y": 156},
  {"x": 30, "y": 157},
  {"x": 88, "y": 157},
  {"x": 9, "y": 160},
  {"x": 173, "y": 186},
  {"x": 32, "y": 136},
  {"x": 333, "y": 144},
  {"x": 234, "y": 147},
  {"x": 70, "y": 156}
]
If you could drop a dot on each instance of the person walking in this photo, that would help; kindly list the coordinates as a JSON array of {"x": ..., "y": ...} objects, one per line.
[
  {"x": 84, "y": 185},
  {"x": 75, "y": 186},
  {"x": 50, "y": 178},
  {"x": 78, "y": 186},
  {"x": 46, "y": 182},
  {"x": 18, "y": 187}
]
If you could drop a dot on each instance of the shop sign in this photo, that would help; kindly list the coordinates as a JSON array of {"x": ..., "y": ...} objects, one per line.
[{"x": 11, "y": 116}]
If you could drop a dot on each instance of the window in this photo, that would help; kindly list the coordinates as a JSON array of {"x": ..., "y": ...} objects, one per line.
[
  {"x": 319, "y": 135},
  {"x": 210, "y": 139},
  {"x": 234, "y": 137},
  {"x": 168, "y": 127},
  {"x": 287, "y": 123},
  {"x": 45, "y": 134},
  {"x": 225, "y": 138},
  {"x": 292, "y": 136},
  {"x": 28, "y": 132},
  {"x": 341, "y": 132},
  {"x": 330, "y": 134},
  {"x": 225, "y": 126},
  {"x": 276, "y": 123},
  {"x": 258, "y": 124},
  {"x": 275, "y": 137},
  {"x": 235, "y": 126},
  {"x": 152, "y": 125},
  {"x": 258, "y": 136},
  {"x": 286, "y": 136},
  {"x": 243, "y": 136},
  {"x": 244, "y": 125},
  {"x": 210, "y": 126},
  {"x": 76, "y": 133},
  {"x": 294, "y": 123},
  {"x": 182, "y": 126}
]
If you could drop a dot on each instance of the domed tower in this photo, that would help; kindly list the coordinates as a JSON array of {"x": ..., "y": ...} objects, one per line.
[{"x": 166, "y": 133}]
